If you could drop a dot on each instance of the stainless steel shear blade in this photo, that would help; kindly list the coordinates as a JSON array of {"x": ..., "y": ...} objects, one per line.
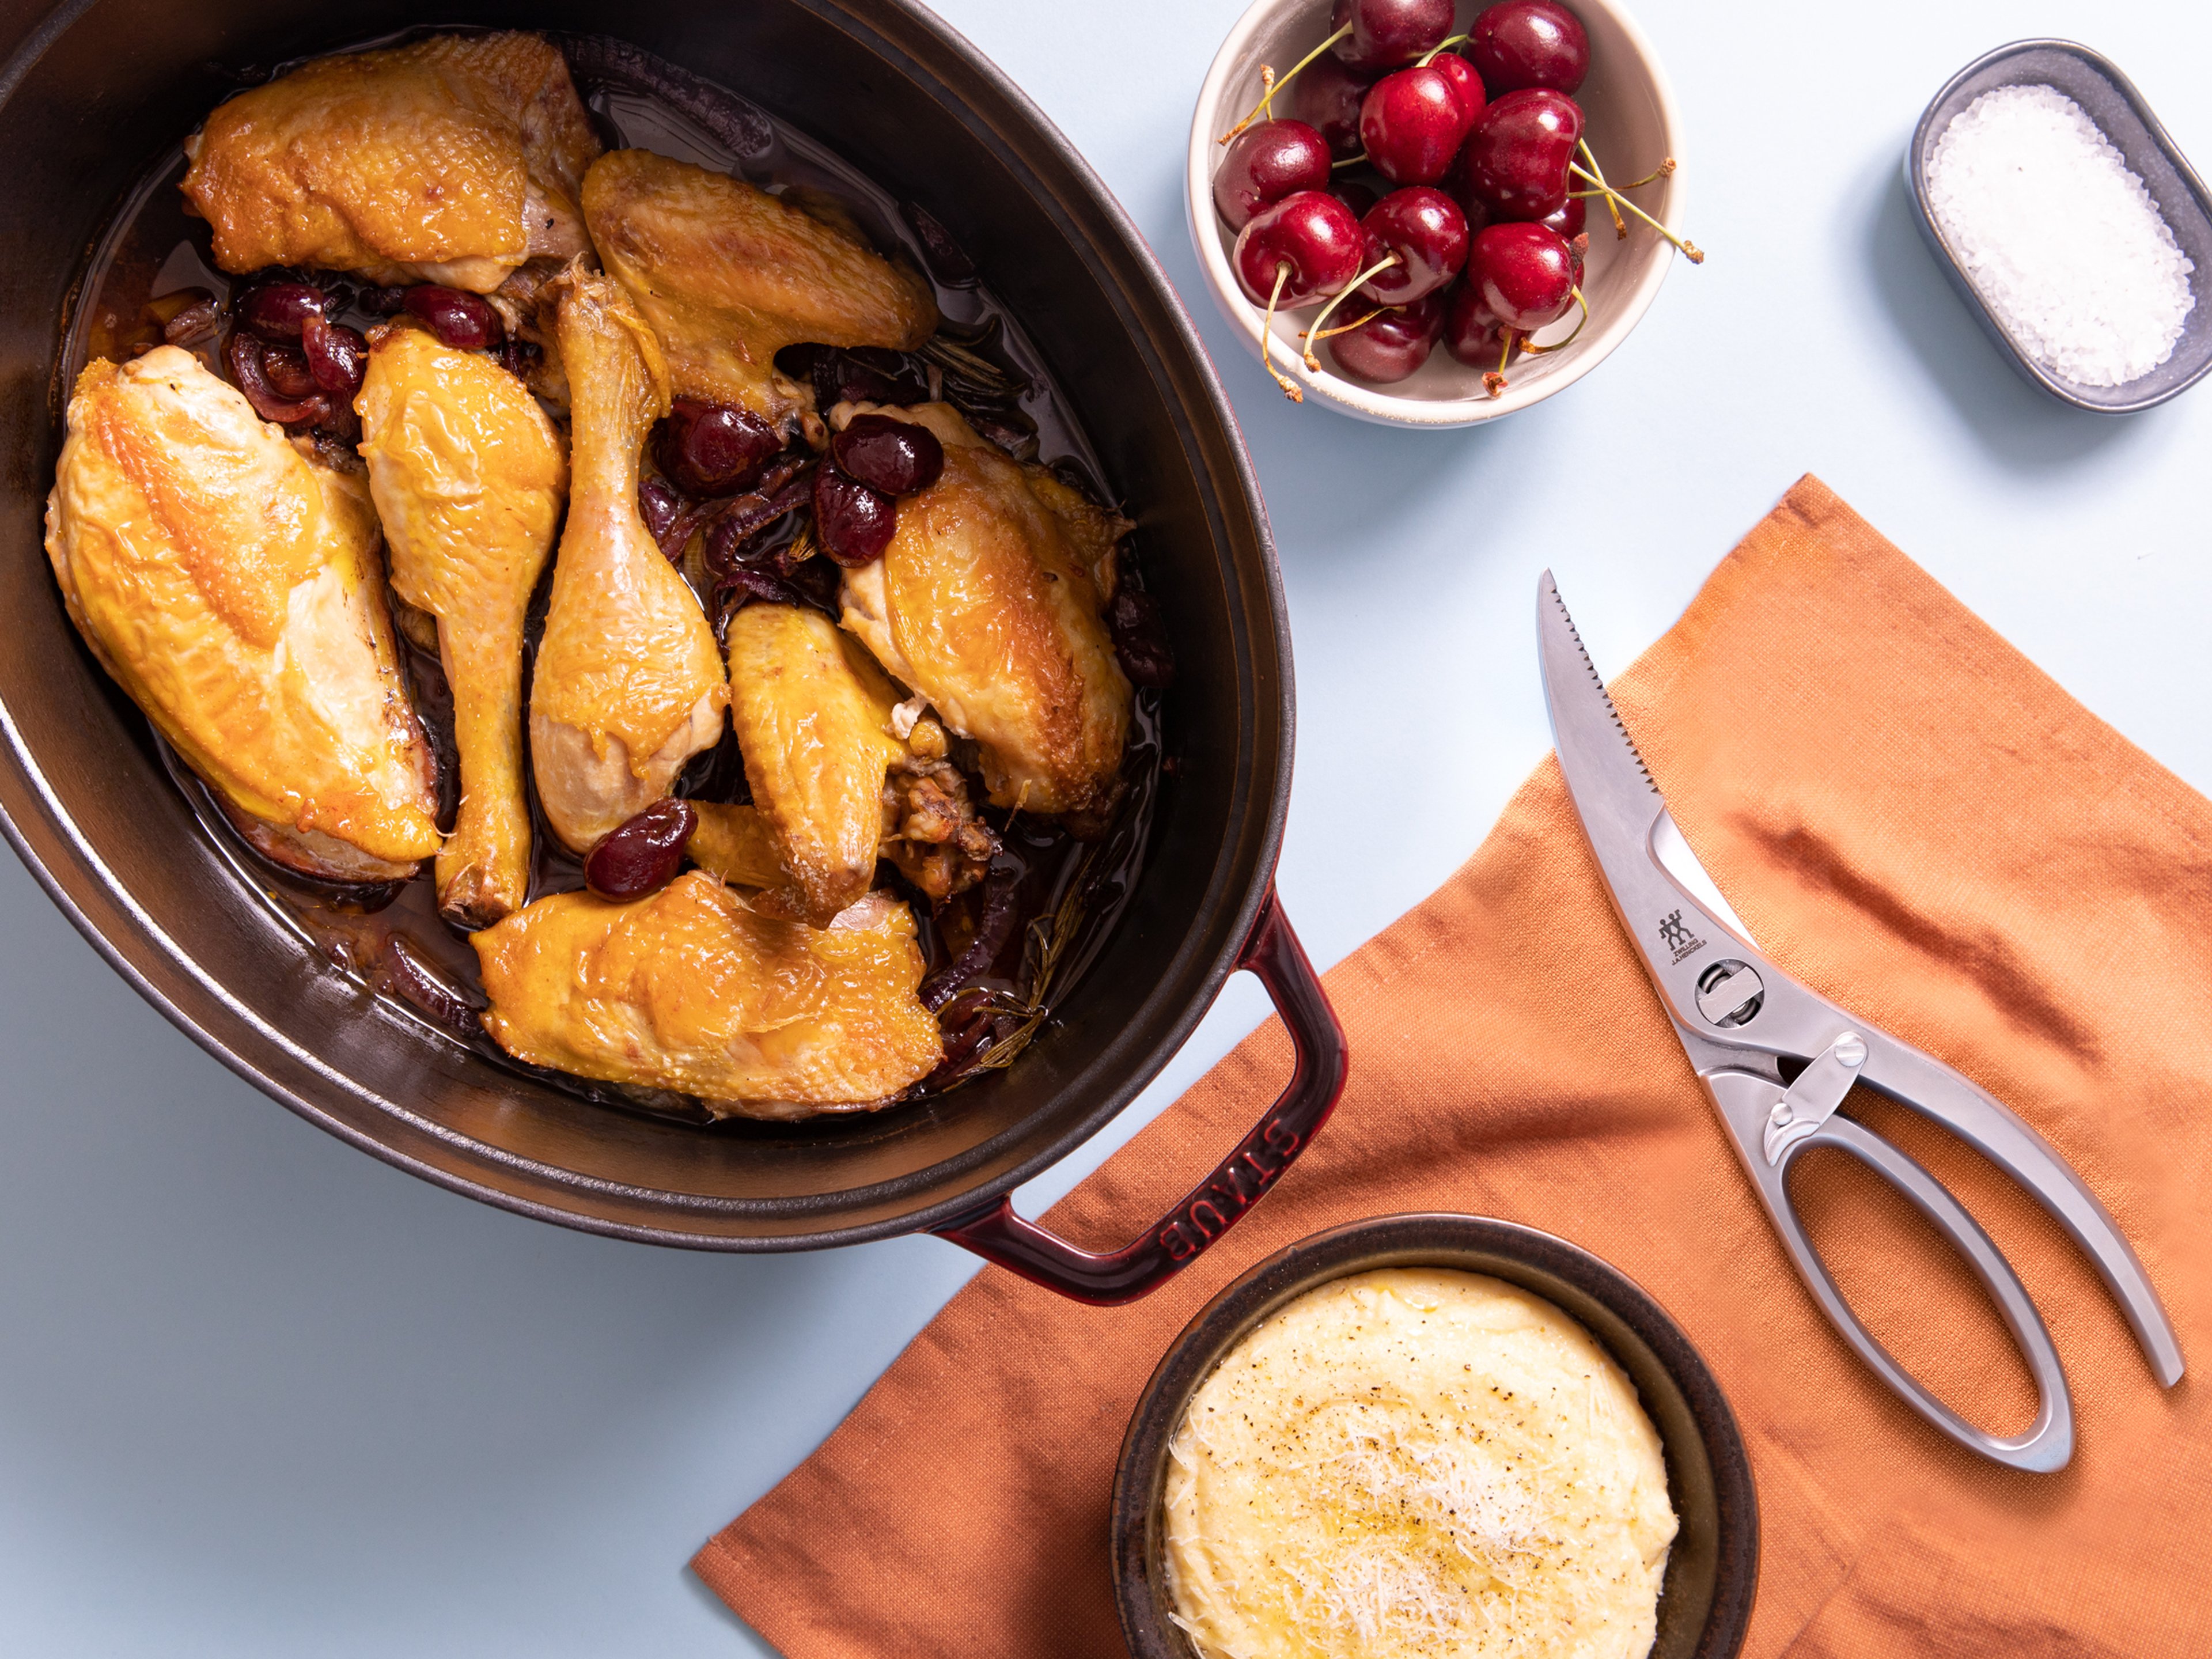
[{"x": 1738, "y": 1016}]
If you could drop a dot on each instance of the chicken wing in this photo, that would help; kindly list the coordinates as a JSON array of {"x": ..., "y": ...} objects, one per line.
[
  {"x": 233, "y": 588},
  {"x": 628, "y": 684},
  {"x": 468, "y": 477},
  {"x": 450, "y": 160},
  {"x": 693, "y": 990},
  {"x": 988, "y": 603},
  {"x": 729, "y": 275}
]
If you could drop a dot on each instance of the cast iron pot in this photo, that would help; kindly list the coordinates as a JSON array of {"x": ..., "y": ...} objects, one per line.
[
  {"x": 97, "y": 90},
  {"x": 1712, "y": 1570}
]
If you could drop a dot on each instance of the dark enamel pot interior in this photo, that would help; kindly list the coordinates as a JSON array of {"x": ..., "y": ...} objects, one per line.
[
  {"x": 92, "y": 96},
  {"x": 1712, "y": 1571}
]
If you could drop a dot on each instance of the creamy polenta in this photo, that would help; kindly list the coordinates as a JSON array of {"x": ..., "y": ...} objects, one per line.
[{"x": 1417, "y": 1462}]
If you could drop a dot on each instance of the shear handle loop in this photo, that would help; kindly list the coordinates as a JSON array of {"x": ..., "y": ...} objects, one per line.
[{"x": 2049, "y": 1441}]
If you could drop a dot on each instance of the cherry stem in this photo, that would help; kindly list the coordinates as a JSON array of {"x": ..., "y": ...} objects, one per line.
[
  {"x": 1274, "y": 83},
  {"x": 1443, "y": 47},
  {"x": 1689, "y": 249},
  {"x": 1338, "y": 298},
  {"x": 1494, "y": 381},
  {"x": 1348, "y": 161},
  {"x": 1342, "y": 328},
  {"x": 1530, "y": 345},
  {"x": 1268, "y": 336},
  {"x": 1612, "y": 203}
]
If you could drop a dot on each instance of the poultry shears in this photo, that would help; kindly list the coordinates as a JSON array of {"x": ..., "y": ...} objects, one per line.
[{"x": 1742, "y": 1020}]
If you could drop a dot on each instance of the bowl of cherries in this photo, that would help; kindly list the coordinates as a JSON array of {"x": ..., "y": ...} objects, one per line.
[{"x": 1432, "y": 214}]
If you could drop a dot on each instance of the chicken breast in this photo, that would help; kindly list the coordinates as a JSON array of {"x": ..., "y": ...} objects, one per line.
[
  {"x": 989, "y": 602},
  {"x": 728, "y": 275},
  {"x": 235, "y": 589},
  {"x": 628, "y": 684},
  {"x": 450, "y": 160},
  {"x": 694, "y": 990},
  {"x": 468, "y": 477}
]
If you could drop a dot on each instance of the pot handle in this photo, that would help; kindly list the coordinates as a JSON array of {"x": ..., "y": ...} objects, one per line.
[{"x": 1273, "y": 955}]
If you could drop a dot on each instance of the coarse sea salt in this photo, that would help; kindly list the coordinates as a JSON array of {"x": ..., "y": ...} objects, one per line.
[{"x": 2062, "y": 240}]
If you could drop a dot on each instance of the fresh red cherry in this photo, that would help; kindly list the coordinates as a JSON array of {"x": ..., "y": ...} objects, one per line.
[
  {"x": 1327, "y": 96},
  {"x": 1472, "y": 332},
  {"x": 896, "y": 457},
  {"x": 1525, "y": 272},
  {"x": 1391, "y": 345},
  {"x": 1310, "y": 240},
  {"x": 1266, "y": 162},
  {"x": 1386, "y": 34},
  {"x": 1413, "y": 123},
  {"x": 713, "y": 449},
  {"x": 1464, "y": 82},
  {"x": 1528, "y": 43},
  {"x": 853, "y": 522},
  {"x": 1518, "y": 152},
  {"x": 1569, "y": 221},
  {"x": 1427, "y": 233}
]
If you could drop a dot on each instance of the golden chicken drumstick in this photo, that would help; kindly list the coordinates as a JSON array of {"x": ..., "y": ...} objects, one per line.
[
  {"x": 468, "y": 477},
  {"x": 233, "y": 588},
  {"x": 450, "y": 160},
  {"x": 628, "y": 684}
]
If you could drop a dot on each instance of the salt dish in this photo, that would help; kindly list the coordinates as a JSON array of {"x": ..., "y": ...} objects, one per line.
[{"x": 2117, "y": 110}]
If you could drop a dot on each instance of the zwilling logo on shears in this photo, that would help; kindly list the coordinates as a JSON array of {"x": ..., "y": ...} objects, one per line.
[{"x": 1678, "y": 939}]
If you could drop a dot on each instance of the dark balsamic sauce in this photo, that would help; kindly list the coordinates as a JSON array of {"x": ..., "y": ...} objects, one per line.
[{"x": 391, "y": 940}]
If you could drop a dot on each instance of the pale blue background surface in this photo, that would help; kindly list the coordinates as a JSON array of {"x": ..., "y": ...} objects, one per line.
[{"x": 261, "y": 1394}]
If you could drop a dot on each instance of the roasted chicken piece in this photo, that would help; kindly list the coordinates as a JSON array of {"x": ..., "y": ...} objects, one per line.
[
  {"x": 628, "y": 684},
  {"x": 989, "y": 602},
  {"x": 729, "y": 275},
  {"x": 468, "y": 477},
  {"x": 233, "y": 588},
  {"x": 694, "y": 990},
  {"x": 450, "y": 160}
]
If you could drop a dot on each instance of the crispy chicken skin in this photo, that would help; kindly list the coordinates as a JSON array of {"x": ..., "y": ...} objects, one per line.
[
  {"x": 468, "y": 477},
  {"x": 628, "y": 684},
  {"x": 729, "y": 275},
  {"x": 988, "y": 602},
  {"x": 233, "y": 588},
  {"x": 449, "y": 161},
  {"x": 693, "y": 990}
]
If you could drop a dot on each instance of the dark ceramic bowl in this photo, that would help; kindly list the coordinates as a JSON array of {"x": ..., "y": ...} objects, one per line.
[
  {"x": 2110, "y": 100},
  {"x": 1712, "y": 1572}
]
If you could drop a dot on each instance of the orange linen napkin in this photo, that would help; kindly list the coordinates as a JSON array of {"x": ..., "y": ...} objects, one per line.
[{"x": 1913, "y": 820}]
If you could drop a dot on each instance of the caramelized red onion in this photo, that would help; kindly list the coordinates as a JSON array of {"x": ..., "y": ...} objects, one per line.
[
  {"x": 993, "y": 928},
  {"x": 247, "y": 358}
]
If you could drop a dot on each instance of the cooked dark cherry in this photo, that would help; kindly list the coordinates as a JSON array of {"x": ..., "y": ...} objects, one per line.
[
  {"x": 853, "y": 522},
  {"x": 1528, "y": 43},
  {"x": 643, "y": 854},
  {"x": 276, "y": 311},
  {"x": 1266, "y": 162},
  {"x": 1426, "y": 232},
  {"x": 1472, "y": 332},
  {"x": 1310, "y": 240},
  {"x": 1140, "y": 638},
  {"x": 1413, "y": 123},
  {"x": 1525, "y": 272},
  {"x": 464, "y": 321},
  {"x": 896, "y": 456},
  {"x": 337, "y": 355},
  {"x": 1386, "y": 34},
  {"x": 1390, "y": 346},
  {"x": 1327, "y": 96},
  {"x": 1518, "y": 152},
  {"x": 713, "y": 449},
  {"x": 289, "y": 374},
  {"x": 246, "y": 358},
  {"x": 1464, "y": 82}
]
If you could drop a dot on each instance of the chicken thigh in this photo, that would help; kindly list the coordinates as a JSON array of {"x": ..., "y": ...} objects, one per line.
[
  {"x": 729, "y": 275},
  {"x": 693, "y": 990},
  {"x": 988, "y": 603},
  {"x": 468, "y": 477},
  {"x": 628, "y": 684},
  {"x": 449, "y": 161},
  {"x": 233, "y": 588}
]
